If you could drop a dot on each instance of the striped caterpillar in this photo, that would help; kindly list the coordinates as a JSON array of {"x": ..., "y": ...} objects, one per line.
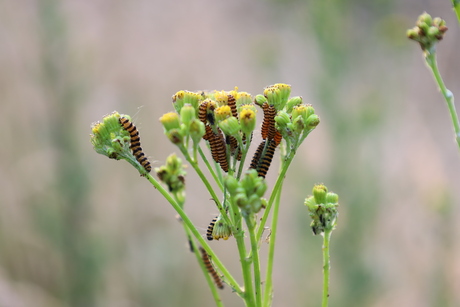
[
  {"x": 210, "y": 268},
  {"x": 135, "y": 143}
]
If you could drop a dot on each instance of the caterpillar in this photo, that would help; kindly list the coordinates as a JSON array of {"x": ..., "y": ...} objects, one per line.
[
  {"x": 135, "y": 143},
  {"x": 267, "y": 160},
  {"x": 218, "y": 150},
  {"x": 210, "y": 268},
  {"x": 210, "y": 229},
  {"x": 268, "y": 125},
  {"x": 232, "y": 104},
  {"x": 202, "y": 110},
  {"x": 260, "y": 162},
  {"x": 256, "y": 157}
]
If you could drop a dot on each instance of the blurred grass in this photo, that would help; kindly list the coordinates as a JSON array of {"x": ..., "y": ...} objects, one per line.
[{"x": 80, "y": 230}]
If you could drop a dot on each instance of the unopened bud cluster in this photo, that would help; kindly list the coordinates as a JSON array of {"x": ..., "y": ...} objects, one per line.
[
  {"x": 172, "y": 174},
  {"x": 110, "y": 139},
  {"x": 248, "y": 192},
  {"x": 323, "y": 209},
  {"x": 428, "y": 31}
]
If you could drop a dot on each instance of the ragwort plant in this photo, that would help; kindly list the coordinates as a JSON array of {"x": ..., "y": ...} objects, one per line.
[
  {"x": 224, "y": 123},
  {"x": 428, "y": 32}
]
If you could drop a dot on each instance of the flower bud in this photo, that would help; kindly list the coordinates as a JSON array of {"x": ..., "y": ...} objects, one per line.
[
  {"x": 175, "y": 136},
  {"x": 221, "y": 229},
  {"x": 230, "y": 126},
  {"x": 232, "y": 184},
  {"x": 319, "y": 192},
  {"x": 247, "y": 120},
  {"x": 187, "y": 114},
  {"x": 294, "y": 101},
  {"x": 243, "y": 98},
  {"x": 197, "y": 130},
  {"x": 332, "y": 198},
  {"x": 222, "y": 113},
  {"x": 260, "y": 100},
  {"x": 170, "y": 121},
  {"x": 312, "y": 121},
  {"x": 282, "y": 119}
]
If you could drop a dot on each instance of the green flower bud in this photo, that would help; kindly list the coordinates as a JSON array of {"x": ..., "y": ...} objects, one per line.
[
  {"x": 109, "y": 138},
  {"x": 312, "y": 121},
  {"x": 282, "y": 119},
  {"x": 310, "y": 203},
  {"x": 243, "y": 98},
  {"x": 221, "y": 229},
  {"x": 241, "y": 201},
  {"x": 172, "y": 174},
  {"x": 294, "y": 101},
  {"x": 332, "y": 198},
  {"x": 247, "y": 120},
  {"x": 319, "y": 192},
  {"x": 230, "y": 126},
  {"x": 178, "y": 100},
  {"x": 197, "y": 130},
  {"x": 298, "y": 124},
  {"x": 170, "y": 121},
  {"x": 232, "y": 184},
  {"x": 260, "y": 100},
  {"x": 424, "y": 19},
  {"x": 175, "y": 136},
  {"x": 187, "y": 114}
]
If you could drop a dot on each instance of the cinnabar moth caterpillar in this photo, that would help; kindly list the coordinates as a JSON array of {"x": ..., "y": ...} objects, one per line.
[
  {"x": 232, "y": 104},
  {"x": 261, "y": 162},
  {"x": 210, "y": 229},
  {"x": 268, "y": 125},
  {"x": 266, "y": 160},
  {"x": 256, "y": 157},
  {"x": 202, "y": 110},
  {"x": 135, "y": 143},
  {"x": 210, "y": 268},
  {"x": 218, "y": 150}
]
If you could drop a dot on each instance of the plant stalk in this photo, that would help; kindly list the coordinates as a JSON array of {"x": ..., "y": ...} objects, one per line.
[{"x": 430, "y": 57}]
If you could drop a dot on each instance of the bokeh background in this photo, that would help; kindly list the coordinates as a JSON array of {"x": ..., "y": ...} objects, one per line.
[{"x": 78, "y": 229}]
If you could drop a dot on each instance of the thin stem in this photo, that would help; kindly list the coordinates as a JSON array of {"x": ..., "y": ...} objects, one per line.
[
  {"x": 271, "y": 253},
  {"x": 456, "y": 5},
  {"x": 276, "y": 189},
  {"x": 326, "y": 266},
  {"x": 246, "y": 268},
  {"x": 255, "y": 259},
  {"x": 230, "y": 280},
  {"x": 205, "y": 160},
  {"x": 430, "y": 57},
  {"x": 206, "y": 183}
]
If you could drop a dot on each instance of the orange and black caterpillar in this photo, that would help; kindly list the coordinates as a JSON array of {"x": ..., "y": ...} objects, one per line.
[
  {"x": 232, "y": 104},
  {"x": 261, "y": 162},
  {"x": 210, "y": 229},
  {"x": 210, "y": 268},
  {"x": 135, "y": 143}
]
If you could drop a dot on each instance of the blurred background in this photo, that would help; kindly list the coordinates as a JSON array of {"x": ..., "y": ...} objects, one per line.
[{"x": 78, "y": 229}]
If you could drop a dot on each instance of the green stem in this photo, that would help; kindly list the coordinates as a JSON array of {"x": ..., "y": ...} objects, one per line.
[
  {"x": 430, "y": 57},
  {"x": 456, "y": 5},
  {"x": 246, "y": 268},
  {"x": 271, "y": 253},
  {"x": 203, "y": 178},
  {"x": 205, "y": 160},
  {"x": 326, "y": 266},
  {"x": 229, "y": 278},
  {"x": 255, "y": 259},
  {"x": 276, "y": 189}
]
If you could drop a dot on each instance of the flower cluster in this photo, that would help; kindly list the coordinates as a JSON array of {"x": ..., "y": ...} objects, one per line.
[
  {"x": 428, "y": 31},
  {"x": 323, "y": 208}
]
